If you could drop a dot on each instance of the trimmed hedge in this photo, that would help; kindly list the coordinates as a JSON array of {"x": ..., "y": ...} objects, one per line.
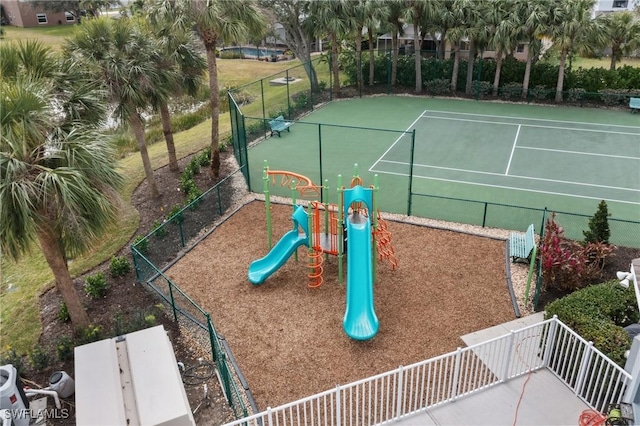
[{"x": 598, "y": 313}]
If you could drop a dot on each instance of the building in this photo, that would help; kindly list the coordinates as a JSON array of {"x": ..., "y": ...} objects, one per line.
[
  {"x": 609, "y": 6},
  {"x": 24, "y": 14}
]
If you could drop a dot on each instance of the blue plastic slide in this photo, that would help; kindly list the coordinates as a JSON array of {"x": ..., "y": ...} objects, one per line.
[
  {"x": 261, "y": 269},
  {"x": 360, "y": 320}
]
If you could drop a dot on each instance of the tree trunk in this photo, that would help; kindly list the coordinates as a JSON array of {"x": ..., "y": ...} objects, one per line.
[
  {"x": 472, "y": 54},
  {"x": 215, "y": 110},
  {"x": 496, "y": 78},
  {"x": 334, "y": 64},
  {"x": 138, "y": 130},
  {"x": 527, "y": 73},
  {"x": 418, "y": 57},
  {"x": 168, "y": 137},
  {"x": 298, "y": 42},
  {"x": 563, "y": 59},
  {"x": 614, "y": 57},
  {"x": 359, "y": 74},
  {"x": 394, "y": 58},
  {"x": 50, "y": 244},
  {"x": 456, "y": 67},
  {"x": 372, "y": 59}
]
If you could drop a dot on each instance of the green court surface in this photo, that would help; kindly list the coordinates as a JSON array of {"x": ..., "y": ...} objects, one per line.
[{"x": 562, "y": 158}]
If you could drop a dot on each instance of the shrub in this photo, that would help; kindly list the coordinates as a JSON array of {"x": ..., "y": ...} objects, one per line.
[
  {"x": 119, "y": 266},
  {"x": 39, "y": 358},
  {"x": 63, "y": 313},
  {"x": 175, "y": 214},
  {"x": 574, "y": 95},
  {"x": 539, "y": 92},
  {"x": 511, "y": 91},
  {"x": 158, "y": 229},
  {"x": 598, "y": 226},
  {"x": 598, "y": 314},
  {"x": 96, "y": 285},
  {"x": 10, "y": 356},
  {"x": 186, "y": 183},
  {"x": 204, "y": 158},
  {"x": 482, "y": 88},
  {"x": 439, "y": 86},
  {"x": 141, "y": 244},
  {"x": 64, "y": 348},
  {"x": 567, "y": 265},
  {"x": 91, "y": 334}
]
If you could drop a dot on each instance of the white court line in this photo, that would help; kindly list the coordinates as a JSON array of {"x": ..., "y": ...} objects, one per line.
[
  {"x": 513, "y": 148},
  {"x": 626, "y": 157},
  {"x": 396, "y": 141},
  {"x": 530, "y": 125},
  {"x": 533, "y": 119},
  {"x": 508, "y": 187},
  {"x": 426, "y": 166}
]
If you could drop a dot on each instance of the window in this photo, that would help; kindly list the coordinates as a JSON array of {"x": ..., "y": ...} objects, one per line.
[
  {"x": 620, "y": 3},
  {"x": 69, "y": 17},
  {"x": 520, "y": 48},
  {"x": 42, "y": 18}
]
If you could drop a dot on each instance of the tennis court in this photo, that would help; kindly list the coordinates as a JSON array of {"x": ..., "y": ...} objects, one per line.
[{"x": 565, "y": 159}]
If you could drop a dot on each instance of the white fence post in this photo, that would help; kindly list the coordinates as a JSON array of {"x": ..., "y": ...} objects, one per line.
[
  {"x": 550, "y": 341},
  {"x": 269, "y": 416},
  {"x": 338, "y": 407},
  {"x": 399, "y": 393},
  {"x": 456, "y": 374},
  {"x": 584, "y": 363},
  {"x": 507, "y": 363}
]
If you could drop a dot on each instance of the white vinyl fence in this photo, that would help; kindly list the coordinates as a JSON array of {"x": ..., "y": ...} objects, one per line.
[{"x": 411, "y": 389}]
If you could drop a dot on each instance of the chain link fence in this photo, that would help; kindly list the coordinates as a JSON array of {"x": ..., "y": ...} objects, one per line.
[{"x": 162, "y": 247}]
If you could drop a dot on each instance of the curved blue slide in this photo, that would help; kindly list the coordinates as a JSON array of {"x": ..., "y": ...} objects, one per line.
[
  {"x": 360, "y": 320},
  {"x": 263, "y": 268}
]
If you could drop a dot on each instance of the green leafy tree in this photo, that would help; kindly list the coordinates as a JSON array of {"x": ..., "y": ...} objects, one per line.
[
  {"x": 394, "y": 24},
  {"x": 127, "y": 60},
  {"x": 213, "y": 21},
  {"x": 332, "y": 18},
  {"x": 623, "y": 32},
  {"x": 58, "y": 179},
  {"x": 599, "y": 231},
  {"x": 293, "y": 15},
  {"x": 534, "y": 20},
  {"x": 179, "y": 53},
  {"x": 418, "y": 13},
  {"x": 573, "y": 30}
]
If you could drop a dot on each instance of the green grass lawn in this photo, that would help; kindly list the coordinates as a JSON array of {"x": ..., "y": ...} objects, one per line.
[{"x": 52, "y": 36}]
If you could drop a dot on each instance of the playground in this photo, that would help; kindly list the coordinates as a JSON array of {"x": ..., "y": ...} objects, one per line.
[{"x": 289, "y": 338}]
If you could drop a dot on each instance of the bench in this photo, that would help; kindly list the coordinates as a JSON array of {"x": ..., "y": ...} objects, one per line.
[
  {"x": 521, "y": 244},
  {"x": 278, "y": 124},
  {"x": 634, "y": 104}
]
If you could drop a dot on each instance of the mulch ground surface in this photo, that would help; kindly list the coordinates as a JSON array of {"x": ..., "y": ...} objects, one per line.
[{"x": 288, "y": 339}]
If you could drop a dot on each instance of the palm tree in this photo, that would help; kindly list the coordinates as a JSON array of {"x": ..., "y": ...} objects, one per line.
[
  {"x": 125, "y": 59},
  {"x": 213, "y": 21},
  {"x": 478, "y": 32},
  {"x": 180, "y": 53},
  {"x": 57, "y": 176},
  {"x": 572, "y": 29},
  {"x": 332, "y": 17},
  {"x": 418, "y": 13},
  {"x": 376, "y": 12},
  {"x": 395, "y": 25},
  {"x": 453, "y": 29},
  {"x": 506, "y": 26},
  {"x": 623, "y": 32},
  {"x": 534, "y": 18}
]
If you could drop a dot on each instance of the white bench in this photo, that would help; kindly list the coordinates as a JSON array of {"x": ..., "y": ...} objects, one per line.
[
  {"x": 521, "y": 244},
  {"x": 279, "y": 124},
  {"x": 634, "y": 104}
]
